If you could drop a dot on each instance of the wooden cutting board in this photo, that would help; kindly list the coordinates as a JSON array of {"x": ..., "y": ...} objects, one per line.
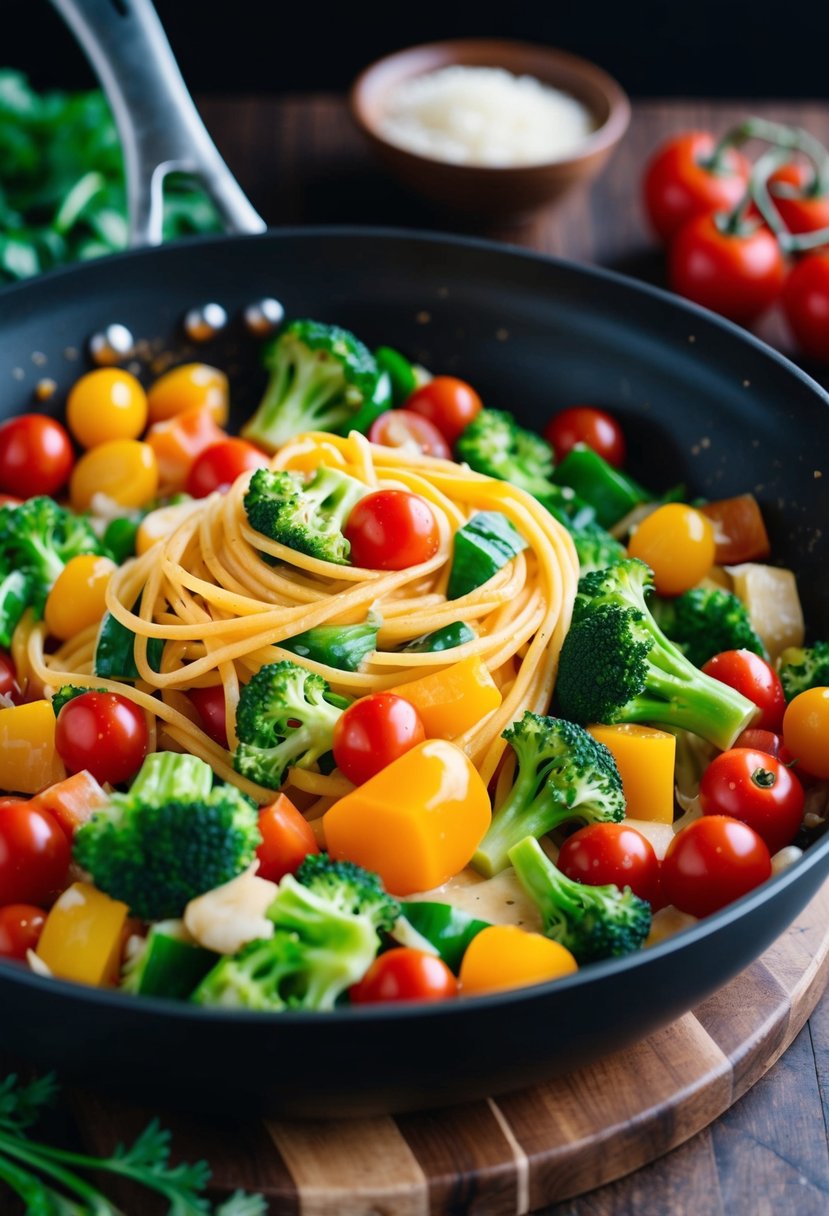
[{"x": 517, "y": 1153}]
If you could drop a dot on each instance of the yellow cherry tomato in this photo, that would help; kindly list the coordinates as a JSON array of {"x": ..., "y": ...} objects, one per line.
[
  {"x": 124, "y": 470},
  {"x": 78, "y": 596},
  {"x": 104, "y": 405},
  {"x": 189, "y": 387},
  {"x": 678, "y": 544},
  {"x": 806, "y": 731}
]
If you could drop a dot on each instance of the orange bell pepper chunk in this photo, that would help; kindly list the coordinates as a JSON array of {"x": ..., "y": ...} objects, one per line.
[
  {"x": 645, "y": 758},
  {"x": 84, "y": 934},
  {"x": 179, "y": 440},
  {"x": 417, "y": 822},
  {"x": 506, "y": 956},
  {"x": 72, "y": 801},
  {"x": 28, "y": 757},
  {"x": 454, "y": 699}
]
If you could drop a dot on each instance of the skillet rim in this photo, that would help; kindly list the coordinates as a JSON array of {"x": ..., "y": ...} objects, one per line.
[{"x": 707, "y": 926}]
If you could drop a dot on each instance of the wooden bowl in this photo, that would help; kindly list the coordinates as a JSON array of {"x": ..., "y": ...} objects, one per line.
[{"x": 485, "y": 190}]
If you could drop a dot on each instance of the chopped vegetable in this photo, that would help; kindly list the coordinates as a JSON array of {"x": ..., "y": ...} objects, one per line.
[
  {"x": 285, "y": 716},
  {"x": 72, "y": 801},
  {"x": 645, "y": 759},
  {"x": 616, "y": 665},
  {"x": 306, "y": 515},
  {"x": 802, "y": 668},
  {"x": 322, "y": 378},
  {"x": 739, "y": 531},
  {"x": 29, "y": 760},
  {"x": 506, "y": 956},
  {"x": 563, "y": 774},
  {"x": 340, "y": 646},
  {"x": 447, "y": 638},
  {"x": 84, "y": 936},
  {"x": 611, "y": 493},
  {"x": 447, "y": 928},
  {"x": 115, "y": 649},
  {"x": 770, "y": 595},
  {"x": 482, "y": 546},
  {"x": 166, "y": 963},
  {"x": 178, "y": 440},
  {"x": 704, "y": 621},
  {"x": 451, "y": 701}
]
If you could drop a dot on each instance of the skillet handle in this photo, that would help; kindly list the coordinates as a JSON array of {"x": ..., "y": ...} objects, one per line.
[{"x": 160, "y": 129}]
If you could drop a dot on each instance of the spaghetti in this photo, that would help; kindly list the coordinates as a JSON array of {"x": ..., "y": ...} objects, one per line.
[{"x": 222, "y": 597}]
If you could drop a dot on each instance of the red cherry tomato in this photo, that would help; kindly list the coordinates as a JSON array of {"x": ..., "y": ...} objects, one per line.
[
  {"x": 210, "y": 706},
  {"x": 411, "y": 431},
  {"x": 218, "y": 466},
  {"x": 736, "y": 274},
  {"x": 800, "y": 197},
  {"x": 588, "y": 425},
  {"x": 392, "y": 530},
  {"x": 374, "y": 731},
  {"x": 755, "y": 679},
  {"x": 806, "y": 304},
  {"x": 287, "y": 839},
  {"x": 34, "y": 854},
  {"x": 104, "y": 733},
  {"x": 711, "y": 863},
  {"x": 764, "y": 741},
  {"x": 20, "y": 929},
  {"x": 449, "y": 403},
  {"x": 36, "y": 456},
  {"x": 403, "y": 974},
  {"x": 680, "y": 181},
  {"x": 758, "y": 790},
  {"x": 603, "y": 853},
  {"x": 9, "y": 686}
]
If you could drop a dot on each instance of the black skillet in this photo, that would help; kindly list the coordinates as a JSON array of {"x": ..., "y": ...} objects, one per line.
[{"x": 701, "y": 402}]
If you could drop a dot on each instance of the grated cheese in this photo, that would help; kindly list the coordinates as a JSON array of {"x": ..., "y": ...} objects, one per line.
[{"x": 485, "y": 116}]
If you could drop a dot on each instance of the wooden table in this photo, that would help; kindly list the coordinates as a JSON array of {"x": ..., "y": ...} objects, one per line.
[{"x": 302, "y": 161}]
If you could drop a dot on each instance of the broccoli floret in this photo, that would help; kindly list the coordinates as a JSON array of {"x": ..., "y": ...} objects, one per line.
[
  {"x": 616, "y": 665},
  {"x": 306, "y": 516},
  {"x": 705, "y": 621},
  {"x": 37, "y": 539},
  {"x": 494, "y": 444},
  {"x": 327, "y": 922},
  {"x": 322, "y": 378},
  {"x": 171, "y": 838},
  {"x": 563, "y": 774},
  {"x": 804, "y": 667},
  {"x": 592, "y": 922},
  {"x": 596, "y": 549},
  {"x": 285, "y": 716},
  {"x": 68, "y": 692}
]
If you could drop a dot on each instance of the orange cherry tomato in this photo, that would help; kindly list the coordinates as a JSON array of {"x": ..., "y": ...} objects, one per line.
[
  {"x": 677, "y": 543},
  {"x": 806, "y": 731},
  {"x": 106, "y": 404}
]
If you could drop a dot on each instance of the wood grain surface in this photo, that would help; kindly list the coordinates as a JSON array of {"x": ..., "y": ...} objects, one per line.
[{"x": 758, "y": 1141}]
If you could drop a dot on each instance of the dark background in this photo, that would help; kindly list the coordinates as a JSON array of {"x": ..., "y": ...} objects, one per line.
[{"x": 714, "y": 48}]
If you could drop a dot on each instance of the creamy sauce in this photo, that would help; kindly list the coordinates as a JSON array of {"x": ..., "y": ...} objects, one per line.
[{"x": 485, "y": 116}]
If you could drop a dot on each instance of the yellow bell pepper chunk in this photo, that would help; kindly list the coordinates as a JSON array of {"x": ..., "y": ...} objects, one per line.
[
  {"x": 645, "y": 758},
  {"x": 452, "y": 700},
  {"x": 417, "y": 822},
  {"x": 28, "y": 757},
  {"x": 84, "y": 935},
  {"x": 506, "y": 956}
]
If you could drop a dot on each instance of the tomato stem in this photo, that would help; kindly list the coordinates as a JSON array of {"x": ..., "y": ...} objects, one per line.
[{"x": 763, "y": 778}]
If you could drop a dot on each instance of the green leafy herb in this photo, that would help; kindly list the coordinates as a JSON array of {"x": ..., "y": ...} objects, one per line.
[
  {"x": 45, "y": 1179},
  {"x": 62, "y": 195}
]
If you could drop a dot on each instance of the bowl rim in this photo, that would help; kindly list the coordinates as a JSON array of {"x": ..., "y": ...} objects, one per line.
[{"x": 602, "y": 139}]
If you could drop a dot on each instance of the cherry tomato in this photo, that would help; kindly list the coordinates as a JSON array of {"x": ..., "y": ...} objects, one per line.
[
  {"x": 736, "y": 274},
  {"x": 35, "y": 456},
  {"x": 104, "y": 733},
  {"x": 603, "y": 853},
  {"x": 106, "y": 404},
  {"x": 217, "y": 467},
  {"x": 756, "y": 679},
  {"x": 392, "y": 530},
  {"x": 806, "y": 304},
  {"x": 9, "y": 686},
  {"x": 806, "y": 730},
  {"x": 677, "y": 542},
  {"x": 210, "y": 706},
  {"x": 374, "y": 731},
  {"x": 800, "y": 197},
  {"x": 449, "y": 403},
  {"x": 410, "y": 431},
  {"x": 764, "y": 741},
  {"x": 34, "y": 853},
  {"x": 287, "y": 839},
  {"x": 681, "y": 183},
  {"x": 20, "y": 928},
  {"x": 711, "y": 863},
  {"x": 403, "y": 974},
  {"x": 588, "y": 425},
  {"x": 758, "y": 790}
]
